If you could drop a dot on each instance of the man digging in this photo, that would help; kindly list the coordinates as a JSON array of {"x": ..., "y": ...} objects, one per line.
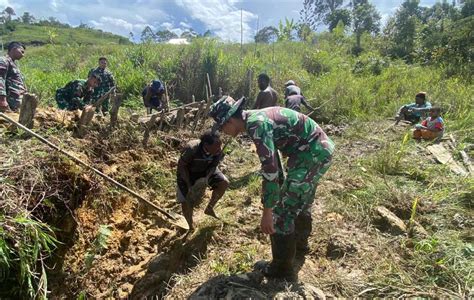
[
  {"x": 286, "y": 214},
  {"x": 197, "y": 168}
]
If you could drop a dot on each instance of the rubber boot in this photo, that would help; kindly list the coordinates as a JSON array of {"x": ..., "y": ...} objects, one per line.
[
  {"x": 283, "y": 253},
  {"x": 303, "y": 228}
]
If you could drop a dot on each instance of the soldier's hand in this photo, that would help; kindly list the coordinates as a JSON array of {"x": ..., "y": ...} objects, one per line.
[
  {"x": 266, "y": 224},
  {"x": 3, "y": 104}
]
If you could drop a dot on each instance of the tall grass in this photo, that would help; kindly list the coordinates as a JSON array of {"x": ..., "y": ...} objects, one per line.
[{"x": 364, "y": 88}]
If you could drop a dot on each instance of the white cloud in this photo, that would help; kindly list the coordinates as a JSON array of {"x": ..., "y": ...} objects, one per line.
[
  {"x": 185, "y": 25},
  {"x": 54, "y": 5},
  {"x": 119, "y": 26},
  {"x": 167, "y": 25},
  {"x": 221, "y": 17}
]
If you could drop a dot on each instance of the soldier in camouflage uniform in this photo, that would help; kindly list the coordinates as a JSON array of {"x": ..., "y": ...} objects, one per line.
[
  {"x": 76, "y": 94},
  {"x": 286, "y": 214},
  {"x": 12, "y": 86},
  {"x": 106, "y": 83}
]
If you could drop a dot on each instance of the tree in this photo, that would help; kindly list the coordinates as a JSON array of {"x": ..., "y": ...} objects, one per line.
[
  {"x": 7, "y": 13},
  {"x": 162, "y": 36},
  {"x": 207, "y": 34},
  {"x": 266, "y": 35},
  {"x": 189, "y": 35},
  {"x": 285, "y": 31},
  {"x": 147, "y": 35},
  {"x": 366, "y": 19},
  {"x": 27, "y": 18},
  {"x": 317, "y": 12},
  {"x": 401, "y": 30},
  {"x": 304, "y": 32},
  {"x": 338, "y": 16}
]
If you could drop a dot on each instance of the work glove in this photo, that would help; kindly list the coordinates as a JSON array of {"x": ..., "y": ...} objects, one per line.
[{"x": 419, "y": 127}]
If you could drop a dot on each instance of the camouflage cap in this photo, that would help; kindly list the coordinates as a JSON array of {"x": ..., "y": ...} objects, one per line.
[
  {"x": 224, "y": 109},
  {"x": 290, "y": 82}
]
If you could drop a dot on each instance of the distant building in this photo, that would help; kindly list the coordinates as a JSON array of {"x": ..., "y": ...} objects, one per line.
[{"x": 178, "y": 42}]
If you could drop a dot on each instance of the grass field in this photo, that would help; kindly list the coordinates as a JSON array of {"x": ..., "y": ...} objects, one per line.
[{"x": 110, "y": 246}]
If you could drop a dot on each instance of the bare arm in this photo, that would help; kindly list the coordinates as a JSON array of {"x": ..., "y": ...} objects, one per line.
[
  {"x": 306, "y": 104},
  {"x": 259, "y": 100}
]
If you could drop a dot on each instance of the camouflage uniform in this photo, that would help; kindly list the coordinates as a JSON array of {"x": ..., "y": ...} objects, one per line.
[
  {"x": 73, "y": 95},
  {"x": 106, "y": 83},
  {"x": 309, "y": 152},
  {"x": 11, "y": 82}
]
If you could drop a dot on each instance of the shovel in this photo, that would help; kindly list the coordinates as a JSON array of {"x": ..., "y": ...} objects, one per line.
[{"x": 173, "y": 218}]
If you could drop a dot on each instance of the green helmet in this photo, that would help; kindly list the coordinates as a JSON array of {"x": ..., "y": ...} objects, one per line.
[{"x": 224, "y": 109}]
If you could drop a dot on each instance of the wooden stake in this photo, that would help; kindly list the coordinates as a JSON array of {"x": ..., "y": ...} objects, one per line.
[
  {"x": 148, "y": 127},
  {"x": 209, "y": 86},
  {"x": 86, "y": 118},
  {"x": 28, "y": 110},
  {"x": 197, "y": 117},
  {"x": 180, "y": 118},
  {"x": 116, "y": 102},
  {"x": 166, "y": 105}
]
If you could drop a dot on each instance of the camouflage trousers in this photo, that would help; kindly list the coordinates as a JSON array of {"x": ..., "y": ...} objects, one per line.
[
  {"x": 305, "y": 169},
  {"x": 65, "y": 102},
  {"x": 14, "y": 102}
]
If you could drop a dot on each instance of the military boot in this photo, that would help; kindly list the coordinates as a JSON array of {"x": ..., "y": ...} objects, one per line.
[
  {"x": 283, "y": 253},
  {"x": 303, "y": 228}
]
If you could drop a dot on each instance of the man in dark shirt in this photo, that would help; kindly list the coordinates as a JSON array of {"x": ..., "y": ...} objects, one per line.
[
  {"x": 268, "y": 96},
  {"x": 153, "y": 96},
  {"x": 292, "y": 89},
  {"x": 294, "y": 102},
  {"x": 199, "y": 162}
]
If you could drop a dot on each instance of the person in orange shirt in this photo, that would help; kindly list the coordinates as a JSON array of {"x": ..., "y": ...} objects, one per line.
[{"x": 431, "y": 128}]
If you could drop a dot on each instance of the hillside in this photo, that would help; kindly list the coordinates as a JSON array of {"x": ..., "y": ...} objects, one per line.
[
  {"x": 65, "y": 233},
  {"x": 42, "y": 35}
]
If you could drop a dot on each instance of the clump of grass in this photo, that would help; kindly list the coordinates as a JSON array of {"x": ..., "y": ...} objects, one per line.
[
  {"x": 98, "y": 246},
  {"x": 241, "y": 261},
  {"x": 25, "y": 244}
]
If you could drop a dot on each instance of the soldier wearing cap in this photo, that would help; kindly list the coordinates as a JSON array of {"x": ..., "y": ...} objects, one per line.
[
  {"x": 12, "y": 84},
  {"x": 287, "y": 207},
  {"x": 153, "y": 95},
  {"x": 416, "y": 111},
  {"x": 107, "y": 82},
  {"x": 77, "y": 94}
]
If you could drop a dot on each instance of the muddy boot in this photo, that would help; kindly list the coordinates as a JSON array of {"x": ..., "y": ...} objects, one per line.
[
  {"x": 303, "y": 228},
  {"x": 283, "y": 252}
]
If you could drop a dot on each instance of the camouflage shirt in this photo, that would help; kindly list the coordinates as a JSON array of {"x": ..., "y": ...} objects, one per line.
[
  {"x": 11, "y": 80},
  {"x": 106, "y": 82},
  {"x": 74, "y": 95},
  {"x": 288, "y": 131}
]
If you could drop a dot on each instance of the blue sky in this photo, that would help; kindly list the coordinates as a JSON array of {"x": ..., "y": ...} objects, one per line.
[{"x": 222, "y": 17}]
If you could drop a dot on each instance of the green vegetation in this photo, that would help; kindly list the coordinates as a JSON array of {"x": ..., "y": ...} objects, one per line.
[
  {"x": 358, "y": 80},
  {"x": 32, "y": 34}
]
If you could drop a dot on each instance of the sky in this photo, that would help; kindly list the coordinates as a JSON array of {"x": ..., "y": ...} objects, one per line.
[{"x": 222, "y": 17}]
